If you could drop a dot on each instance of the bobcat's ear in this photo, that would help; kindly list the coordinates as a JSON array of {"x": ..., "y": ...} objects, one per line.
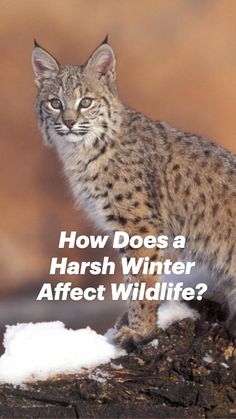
[
  {"x": 44, "y": 64},
  {"x": 101, "y": 64}
]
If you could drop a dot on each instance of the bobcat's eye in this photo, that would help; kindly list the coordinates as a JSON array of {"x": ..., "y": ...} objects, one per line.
[
  {"x": 55, "y": 104},
  {"x": 85, "y": 102}
]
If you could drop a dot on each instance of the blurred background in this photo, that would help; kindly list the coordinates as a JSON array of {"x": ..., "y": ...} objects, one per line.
[{"x": 176, "y": 61}]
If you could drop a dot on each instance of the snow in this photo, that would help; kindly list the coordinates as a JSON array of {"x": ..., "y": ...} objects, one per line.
[
  {"x": 208, "y": 358},
  {"x": 154, "y": 343},
  {"x": 37, "y": 351},
  {"x": 116, "y": 366},
  {"x": 110, "y": 334},
  {"x": 99, "y": 376},
  {"x": 224, "y": 365},
  {"x": 172, "y": 311}
]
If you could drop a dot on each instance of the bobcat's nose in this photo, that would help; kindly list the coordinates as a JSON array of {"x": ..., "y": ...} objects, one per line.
[{"x": 69, "y": 122}]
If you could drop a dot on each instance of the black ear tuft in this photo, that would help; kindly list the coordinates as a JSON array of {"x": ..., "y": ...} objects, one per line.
[
  {"x": 36, "y": 44},
  {"x": 105, "y": 40}
]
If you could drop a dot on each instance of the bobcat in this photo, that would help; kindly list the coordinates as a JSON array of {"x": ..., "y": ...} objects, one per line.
[{"x": 138, "y": 175}]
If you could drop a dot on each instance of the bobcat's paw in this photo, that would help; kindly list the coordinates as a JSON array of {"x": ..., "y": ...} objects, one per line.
[{"x": 129, "y": 339}]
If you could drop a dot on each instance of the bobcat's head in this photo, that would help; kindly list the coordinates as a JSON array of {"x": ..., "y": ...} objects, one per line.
[{"x": 75, "y": 103}]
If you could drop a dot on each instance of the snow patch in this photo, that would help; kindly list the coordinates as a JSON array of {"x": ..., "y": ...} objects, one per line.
[
  {"x": 110, "y": 334},
  {"x": 173, "y": 311},
  {"x": 154, "y": 343},
  {"x": 99, "y": 376},
  {"x": 224, "y": 365},
  {"x": 116, "y": 366},
  {"x": 208, "y": 358},
  {"x": 42, "y": 350}
]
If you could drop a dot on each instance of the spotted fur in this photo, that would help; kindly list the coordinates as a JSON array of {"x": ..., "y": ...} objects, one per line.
[{"x": 142, "y": 176}]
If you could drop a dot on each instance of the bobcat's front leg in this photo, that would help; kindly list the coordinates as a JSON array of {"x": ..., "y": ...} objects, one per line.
[
  {"x": 139, "y": 324},
  {"x": 140, "y": 327}
]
